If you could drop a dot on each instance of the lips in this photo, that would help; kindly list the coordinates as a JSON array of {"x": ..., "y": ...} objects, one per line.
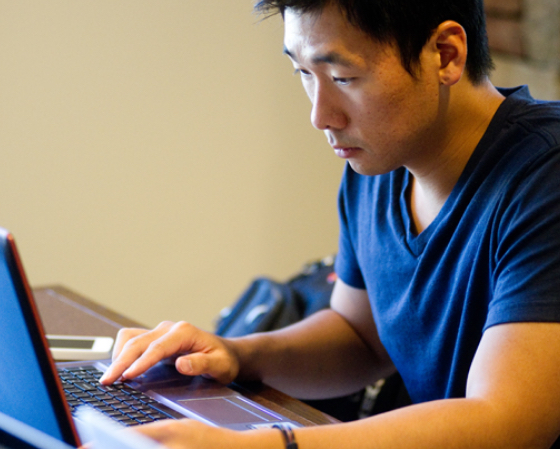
[{"x": 346, "y": 152}]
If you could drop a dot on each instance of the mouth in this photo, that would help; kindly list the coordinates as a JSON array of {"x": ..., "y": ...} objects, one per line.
[{"x": 346, "y": 152}]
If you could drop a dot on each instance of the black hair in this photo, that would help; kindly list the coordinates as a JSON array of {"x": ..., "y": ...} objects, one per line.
[{"x": 407, "y": 23}]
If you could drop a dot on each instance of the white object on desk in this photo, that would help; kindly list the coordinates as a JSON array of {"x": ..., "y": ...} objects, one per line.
[
  {"x": 74, "y": 347},
  {"x": 99, "y": 432}
]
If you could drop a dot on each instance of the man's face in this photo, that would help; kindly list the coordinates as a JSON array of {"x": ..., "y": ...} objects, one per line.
[{"x": 373, "y": 112}]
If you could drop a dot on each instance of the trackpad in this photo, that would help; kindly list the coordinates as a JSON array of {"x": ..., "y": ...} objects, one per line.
[{"x": 227, "y": 411}]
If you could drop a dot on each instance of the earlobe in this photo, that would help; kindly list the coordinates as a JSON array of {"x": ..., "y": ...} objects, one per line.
[{"x": 451, "y": 43}]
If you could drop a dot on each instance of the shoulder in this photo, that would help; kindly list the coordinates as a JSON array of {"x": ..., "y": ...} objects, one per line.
[
  {"x": 537, "y": 118},
  {"x": 523, "y": 138}
]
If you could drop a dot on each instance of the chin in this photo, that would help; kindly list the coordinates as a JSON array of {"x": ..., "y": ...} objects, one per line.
[{"x": 368, "y": 170}]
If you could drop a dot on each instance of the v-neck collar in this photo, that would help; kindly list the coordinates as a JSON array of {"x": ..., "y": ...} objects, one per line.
[{"x": 417, "y": 242}]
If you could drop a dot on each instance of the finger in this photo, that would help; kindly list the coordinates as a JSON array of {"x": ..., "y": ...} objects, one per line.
[
  {"x": 116, "y": 369},
  {"x": 153, "y": 430},
  {"x": 123, "y": 336},
  {"x": 132, "y": 344},
  {"x": 178, "y": 434},
  {"x": 165, "y": 432},
  {"x": 165, "y": 341}
]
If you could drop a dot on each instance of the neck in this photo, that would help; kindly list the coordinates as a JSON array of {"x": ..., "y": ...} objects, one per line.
[{"x": 468, "y": 111}]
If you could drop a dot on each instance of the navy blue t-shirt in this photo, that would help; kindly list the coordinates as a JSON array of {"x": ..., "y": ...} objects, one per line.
[{"x": 491, "y": 256}]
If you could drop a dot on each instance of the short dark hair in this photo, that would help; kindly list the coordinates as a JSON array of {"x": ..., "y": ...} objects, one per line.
[{"x": 407, "y": 23}]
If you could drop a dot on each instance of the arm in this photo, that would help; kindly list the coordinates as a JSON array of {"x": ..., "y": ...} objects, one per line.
[
  {"x": 512, "y": 401},
  {"x": 312, "y": 359}
]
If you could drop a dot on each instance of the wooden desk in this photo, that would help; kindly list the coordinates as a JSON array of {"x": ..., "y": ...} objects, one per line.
[{"x": 67, "y": 313}]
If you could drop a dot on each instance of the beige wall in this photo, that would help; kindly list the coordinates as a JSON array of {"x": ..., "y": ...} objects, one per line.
[{"x": 157, "y": 154}]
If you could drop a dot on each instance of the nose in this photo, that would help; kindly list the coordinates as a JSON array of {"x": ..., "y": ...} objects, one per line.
[{"x": 327, "y": 112}]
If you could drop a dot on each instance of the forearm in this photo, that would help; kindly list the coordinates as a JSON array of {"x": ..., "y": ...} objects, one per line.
[
  {"x": 311, "y": 359},
  {"x": 509, "y": 404},
  {"x": 446, "y": 424}
]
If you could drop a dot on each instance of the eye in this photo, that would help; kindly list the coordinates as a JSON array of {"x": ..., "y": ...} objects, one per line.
[
  {"x": 342, "y": 81},
  {"x": 301, "y": 72}
]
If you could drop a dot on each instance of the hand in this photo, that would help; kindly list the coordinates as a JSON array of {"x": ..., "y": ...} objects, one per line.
[
  {"x": 188, "y": 433},
  {"x": 198, "y": 352}
]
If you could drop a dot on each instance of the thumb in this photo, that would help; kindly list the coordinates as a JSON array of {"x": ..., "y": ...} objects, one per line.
[
  {"x": 184, "y": 365},
  {"x": 203, "y": 364}
]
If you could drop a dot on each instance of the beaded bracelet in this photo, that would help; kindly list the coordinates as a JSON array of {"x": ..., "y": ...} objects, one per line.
[{"x": 288, "y": 434}]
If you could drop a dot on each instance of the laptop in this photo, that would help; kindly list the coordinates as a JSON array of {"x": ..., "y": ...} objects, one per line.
[{"x": 31, "y": 385}]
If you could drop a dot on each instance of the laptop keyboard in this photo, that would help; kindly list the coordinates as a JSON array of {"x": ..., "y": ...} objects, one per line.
[{"x": 119, "y": 401}]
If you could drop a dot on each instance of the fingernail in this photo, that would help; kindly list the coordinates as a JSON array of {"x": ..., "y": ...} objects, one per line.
[{"x": 186, "y": 365}]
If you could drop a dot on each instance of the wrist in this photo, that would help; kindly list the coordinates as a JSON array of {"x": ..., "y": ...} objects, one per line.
[
  {"x": 287, "y": 435},
  {"x": 245, "y": 351},
  {"x": 270, "y": 438}
]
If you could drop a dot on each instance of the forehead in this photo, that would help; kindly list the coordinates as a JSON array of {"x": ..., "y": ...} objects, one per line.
[{"x": 327, "y": 36}]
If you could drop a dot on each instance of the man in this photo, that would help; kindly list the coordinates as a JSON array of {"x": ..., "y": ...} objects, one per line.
[{"x": 449, "y": 258}]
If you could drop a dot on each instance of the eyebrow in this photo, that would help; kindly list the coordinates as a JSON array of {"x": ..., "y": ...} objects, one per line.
[{"x": 332, "y": 58}]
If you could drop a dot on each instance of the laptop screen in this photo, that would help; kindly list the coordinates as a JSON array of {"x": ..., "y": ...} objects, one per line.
[
  {"x": 26, "y": 393},
  {"x": 17, "y": 435}
]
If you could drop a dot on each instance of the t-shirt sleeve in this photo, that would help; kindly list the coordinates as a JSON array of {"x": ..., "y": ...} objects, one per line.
[
  {"x": 346, "y": 265},
  {"x": 526, "y": 271}
]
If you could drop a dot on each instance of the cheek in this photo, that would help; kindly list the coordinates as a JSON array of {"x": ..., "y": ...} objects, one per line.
[
  {"x": 385, "y": 114},
  {"x": 407, "y": 109},
  {"x": 394, "y": 123}
]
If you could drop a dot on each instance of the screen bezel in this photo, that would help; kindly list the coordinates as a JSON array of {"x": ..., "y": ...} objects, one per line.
[{"x": 37, "y": 336}]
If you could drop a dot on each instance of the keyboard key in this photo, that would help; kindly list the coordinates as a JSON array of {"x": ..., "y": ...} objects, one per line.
[
  {"x": 166, "y": 410},
  {"x": 143, "y": 418},
  {"x": 84, "y": 386}
]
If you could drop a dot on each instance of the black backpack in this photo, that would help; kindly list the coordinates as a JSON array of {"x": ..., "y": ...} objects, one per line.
[{"x": 268, "y": 305}]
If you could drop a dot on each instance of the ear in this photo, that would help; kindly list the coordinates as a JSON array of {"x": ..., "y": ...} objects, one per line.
[{"x": 451, "y": 44}]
